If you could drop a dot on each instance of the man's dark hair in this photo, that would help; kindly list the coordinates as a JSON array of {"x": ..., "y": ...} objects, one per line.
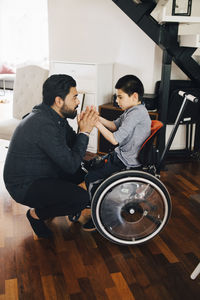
[
  {"x": 57, "y": 85},
  {"x": 130, "y": 84}
]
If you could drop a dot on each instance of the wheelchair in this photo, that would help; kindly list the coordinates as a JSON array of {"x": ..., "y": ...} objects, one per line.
[{"x": 132, "y": 206}]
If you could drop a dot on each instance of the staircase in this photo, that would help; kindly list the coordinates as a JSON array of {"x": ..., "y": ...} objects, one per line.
[{"x": 165, "y": 35}]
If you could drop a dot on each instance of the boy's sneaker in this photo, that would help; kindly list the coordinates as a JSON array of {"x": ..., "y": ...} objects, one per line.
[{"x": 89, "y": 226}]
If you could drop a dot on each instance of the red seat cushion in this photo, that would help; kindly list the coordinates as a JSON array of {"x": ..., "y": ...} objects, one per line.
[{"x": 155, "y": 126}]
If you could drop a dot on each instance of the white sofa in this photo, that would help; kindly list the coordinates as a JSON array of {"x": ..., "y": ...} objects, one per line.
[{"x": 27, "y": 93}]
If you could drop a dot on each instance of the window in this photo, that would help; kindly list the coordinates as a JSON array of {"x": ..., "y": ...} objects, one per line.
[{"x": 24, "y": 32}]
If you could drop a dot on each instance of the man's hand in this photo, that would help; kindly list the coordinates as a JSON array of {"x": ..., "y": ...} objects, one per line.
[{"x": 87, "y": 119}]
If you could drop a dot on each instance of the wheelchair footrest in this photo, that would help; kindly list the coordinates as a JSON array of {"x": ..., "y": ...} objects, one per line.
[{"x": 75, "y": 217}]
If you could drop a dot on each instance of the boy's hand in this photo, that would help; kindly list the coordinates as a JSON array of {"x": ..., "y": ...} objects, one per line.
[
  {"x": 97, "y": 123},
  {"x": 87, "y": 119}
]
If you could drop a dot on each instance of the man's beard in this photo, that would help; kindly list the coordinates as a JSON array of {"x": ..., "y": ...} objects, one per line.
[{"x": 68, "y": 113}]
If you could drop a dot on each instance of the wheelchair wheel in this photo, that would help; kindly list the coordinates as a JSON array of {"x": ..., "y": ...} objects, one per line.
[{"x": 131, "y": 207}]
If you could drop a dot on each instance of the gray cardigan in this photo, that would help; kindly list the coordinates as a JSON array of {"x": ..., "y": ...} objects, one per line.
[{"x": 42, "y": 146}]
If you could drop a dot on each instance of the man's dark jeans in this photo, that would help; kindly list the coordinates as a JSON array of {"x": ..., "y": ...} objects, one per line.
[{"x": 52, "y": 197}]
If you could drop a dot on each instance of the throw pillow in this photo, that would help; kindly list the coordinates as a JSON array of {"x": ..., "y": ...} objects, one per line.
[{"x": 6, "y": 70}]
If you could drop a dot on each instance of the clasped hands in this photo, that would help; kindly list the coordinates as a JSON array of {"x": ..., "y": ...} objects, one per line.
[{"x": 88, "y": 119}]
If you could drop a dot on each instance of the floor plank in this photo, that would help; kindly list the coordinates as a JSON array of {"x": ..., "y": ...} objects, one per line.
[{"x": 82, "y": 265}]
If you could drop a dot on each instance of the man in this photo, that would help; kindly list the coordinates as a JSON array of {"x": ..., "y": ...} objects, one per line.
[{"x": 42, "y": 167}]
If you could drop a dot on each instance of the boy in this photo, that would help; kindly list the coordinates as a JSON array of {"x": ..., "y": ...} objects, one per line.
[{"x": 127, "y": 133}]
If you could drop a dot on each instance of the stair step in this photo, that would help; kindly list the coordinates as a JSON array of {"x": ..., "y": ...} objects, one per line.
[{"x": 189, "y": 40}]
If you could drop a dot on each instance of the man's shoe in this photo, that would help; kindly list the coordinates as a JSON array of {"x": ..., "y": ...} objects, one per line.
[
  {"x": 39, "y": 227},
  {"x": 75, "y": 217},
  {"x": 89, "y": 226}
]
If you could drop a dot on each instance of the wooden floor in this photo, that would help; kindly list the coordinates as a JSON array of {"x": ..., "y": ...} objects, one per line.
[{"x": 80, "y": 265}]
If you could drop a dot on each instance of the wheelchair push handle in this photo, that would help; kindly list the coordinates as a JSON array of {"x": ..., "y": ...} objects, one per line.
[{"x": 188, "y": 96}]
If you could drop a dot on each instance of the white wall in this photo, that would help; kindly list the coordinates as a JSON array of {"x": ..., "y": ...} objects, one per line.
[
  {"x": 23, "y": 32},
  {"x": 0, "y": 30},
  {"x": 98, "y": 31}
]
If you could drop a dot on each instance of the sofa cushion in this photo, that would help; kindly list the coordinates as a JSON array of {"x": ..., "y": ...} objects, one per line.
[
  {"x": 6, "y": 70},
  {"x": 7, "y": 128}
]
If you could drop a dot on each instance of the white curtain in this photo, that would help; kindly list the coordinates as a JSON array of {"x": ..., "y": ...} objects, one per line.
[{"x": 24, "y": 32}]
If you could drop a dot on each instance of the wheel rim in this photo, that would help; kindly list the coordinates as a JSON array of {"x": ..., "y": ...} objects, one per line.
[{"x": 131, "y": 210}]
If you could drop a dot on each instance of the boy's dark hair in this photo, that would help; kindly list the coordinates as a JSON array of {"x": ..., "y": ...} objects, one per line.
[
  {"x": 57, "y": 85},
  {"x": 130, "y": 84}
]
